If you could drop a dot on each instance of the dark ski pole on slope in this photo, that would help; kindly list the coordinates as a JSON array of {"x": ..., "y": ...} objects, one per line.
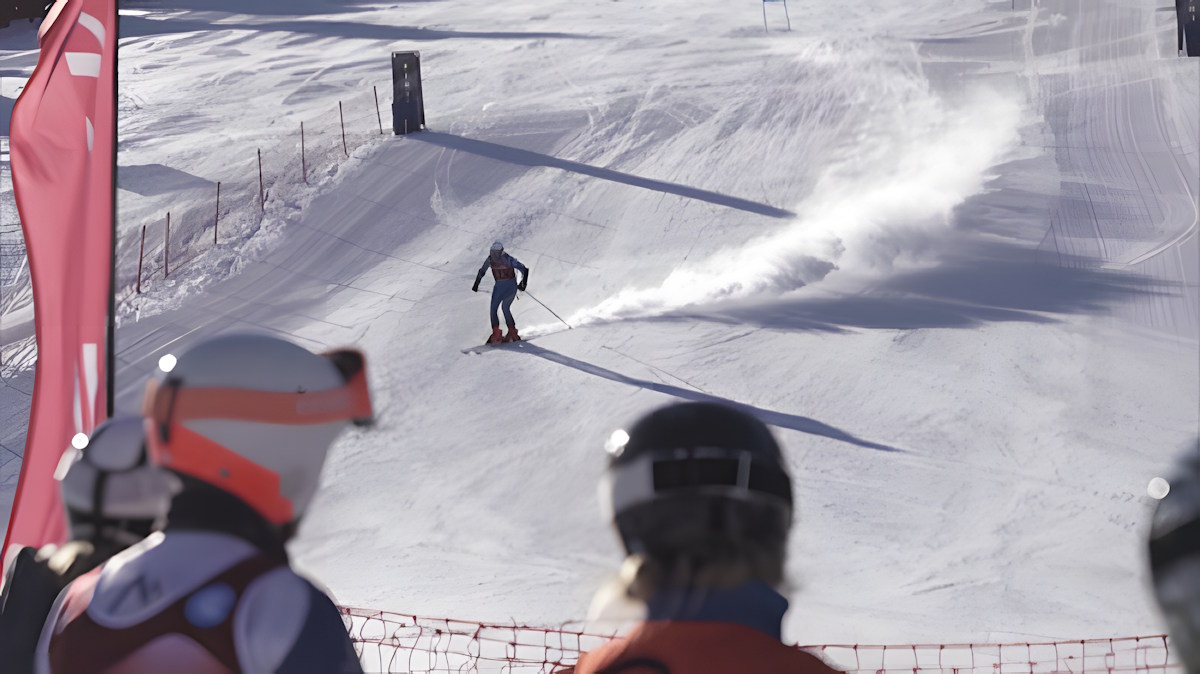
[{"x": 548, "y": 309}]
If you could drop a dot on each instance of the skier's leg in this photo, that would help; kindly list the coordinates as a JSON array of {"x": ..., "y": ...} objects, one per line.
[
  {"x": 512, "y": 335},
  {"x": 496, "y": 336},
  {"x": 506, "y": 304},
  {"x": 494, "y": 314}
]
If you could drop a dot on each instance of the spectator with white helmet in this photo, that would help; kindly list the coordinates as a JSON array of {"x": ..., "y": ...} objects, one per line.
[
  {"x": 702, "y": 500},
  {"x": 245, "y": 422},
  {"x": 114, "y": 498},
  {"x": 1174, "y": 549},
  {"x": 504, "y": 270}
]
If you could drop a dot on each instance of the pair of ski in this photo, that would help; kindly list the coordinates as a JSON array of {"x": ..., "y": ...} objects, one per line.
[
  {"x": 517, "y": 344},
  {"x": 483, "y": 348}
]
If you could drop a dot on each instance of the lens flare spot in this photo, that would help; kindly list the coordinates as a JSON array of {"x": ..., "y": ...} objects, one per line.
[
  {"x": 616, "y": 442},
  {"x": 1158, "y": 488}
]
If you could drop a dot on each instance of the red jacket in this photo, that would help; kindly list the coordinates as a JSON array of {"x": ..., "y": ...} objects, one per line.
[{"x": 687, "y": 647}]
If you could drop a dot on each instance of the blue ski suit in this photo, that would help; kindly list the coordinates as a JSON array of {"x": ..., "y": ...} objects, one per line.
[{"x": 503, "y": 268}]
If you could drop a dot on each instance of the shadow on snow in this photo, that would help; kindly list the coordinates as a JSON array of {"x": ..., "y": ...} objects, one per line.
[
  {"x": 140, "y": 26},
  {"x": 780, "y": 419},
  {"x": 521, "y": 157}
]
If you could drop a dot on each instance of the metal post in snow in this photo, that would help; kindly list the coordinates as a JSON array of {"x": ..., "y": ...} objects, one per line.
[
  {"x": 217, "y": 215},
  {"x": 167, "y": 248},
  {"x": 141, "y": 252},
  {"x": 303, "y": 163},
  {"x": 343, "y": 120},
  {"x": 377, "y": 114},
  {"x": 262, "y": 199},
  {"x": 785, "y": 14}
]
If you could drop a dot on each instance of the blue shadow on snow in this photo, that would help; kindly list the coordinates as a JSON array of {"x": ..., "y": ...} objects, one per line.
[
  {"x": 794, "y": 422},
  {"x": 534, "y": 159}
]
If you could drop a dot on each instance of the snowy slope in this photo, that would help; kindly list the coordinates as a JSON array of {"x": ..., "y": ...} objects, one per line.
[{"x": 947, "y": 249}]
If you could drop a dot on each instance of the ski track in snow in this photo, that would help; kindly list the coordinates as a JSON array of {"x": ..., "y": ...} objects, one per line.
[{"x": 947, "y": 249}]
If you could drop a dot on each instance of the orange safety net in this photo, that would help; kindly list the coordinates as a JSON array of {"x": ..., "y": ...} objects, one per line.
[{"x": 395, "y": 642}]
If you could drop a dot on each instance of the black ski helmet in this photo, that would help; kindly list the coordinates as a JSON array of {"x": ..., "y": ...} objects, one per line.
[
  {"x": 698, "y": 476},
  {"x": 1174, "y": 548}
]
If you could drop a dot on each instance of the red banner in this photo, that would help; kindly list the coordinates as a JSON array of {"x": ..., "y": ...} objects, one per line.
[{"x": 62, "y": 148}]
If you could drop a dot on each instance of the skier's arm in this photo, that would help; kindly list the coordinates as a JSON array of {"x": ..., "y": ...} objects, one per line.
[
  {"x": 524, "y": 278},
  {"x": 524, "y": 272},
  {"x": 479, "y": 276}
]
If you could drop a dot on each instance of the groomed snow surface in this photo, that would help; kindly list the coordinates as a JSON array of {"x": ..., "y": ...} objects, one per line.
[{"x": 946, "y": 248}]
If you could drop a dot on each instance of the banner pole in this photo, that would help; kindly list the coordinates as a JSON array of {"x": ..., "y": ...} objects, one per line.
[{"x": 111, "y": 355}]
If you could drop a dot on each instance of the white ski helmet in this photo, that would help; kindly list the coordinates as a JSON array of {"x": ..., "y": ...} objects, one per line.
[
  {"x": 497, "y": 247},
  {"x": 110, "y": 490},
  {"x": 255, "y": 415}
]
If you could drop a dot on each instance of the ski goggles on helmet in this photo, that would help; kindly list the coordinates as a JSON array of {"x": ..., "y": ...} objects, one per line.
[
  {"x": 713, "y": 471},
  {"x": 170, "y": 403}
]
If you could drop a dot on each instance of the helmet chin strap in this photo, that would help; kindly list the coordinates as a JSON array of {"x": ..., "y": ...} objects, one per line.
[{"x": 205, "y": 507}]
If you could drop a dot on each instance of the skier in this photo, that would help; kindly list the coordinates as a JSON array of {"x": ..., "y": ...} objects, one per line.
[
  {"x": 114, "y": 498},
  {"x": 504, "y": 268},
  {"x": 702, "y": 502},
  {"x": 1174, "y": 548},
  {"x": 245, "y": 422}
]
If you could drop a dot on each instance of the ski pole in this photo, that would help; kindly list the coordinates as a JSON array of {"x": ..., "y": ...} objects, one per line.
[{"x": 548, "y": 309}]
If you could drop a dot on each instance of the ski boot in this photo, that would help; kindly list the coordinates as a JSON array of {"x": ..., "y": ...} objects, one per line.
[
  {"x": 512, "y": 335},
  {"x": 496, "y": 336}
]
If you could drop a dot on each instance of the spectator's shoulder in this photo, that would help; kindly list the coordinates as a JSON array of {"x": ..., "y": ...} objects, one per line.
[
  {"x": 811, "y": 663},
  {"x": 285, "y": 624}
]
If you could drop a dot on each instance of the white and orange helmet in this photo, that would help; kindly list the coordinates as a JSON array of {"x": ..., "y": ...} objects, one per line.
[{"x": 255, "y": 415}]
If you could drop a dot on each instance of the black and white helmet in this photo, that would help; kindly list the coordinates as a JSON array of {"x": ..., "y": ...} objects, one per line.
[
  {"x": 697, "y": 476},
  {"x": 111, "y": 492},
  {"x": 1174, "y": 548}
]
